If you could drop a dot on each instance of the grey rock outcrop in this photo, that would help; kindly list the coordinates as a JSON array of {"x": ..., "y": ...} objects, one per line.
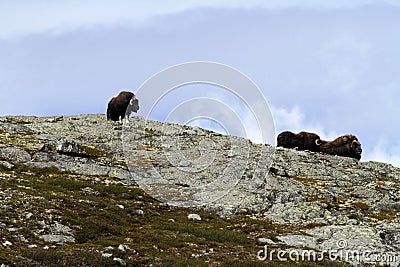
[{"x": 329, "y": 198}]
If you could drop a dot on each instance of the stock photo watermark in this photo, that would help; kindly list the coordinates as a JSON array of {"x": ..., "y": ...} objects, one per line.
[
  {"x": 200, "y": 167},
  {"x": 341, "y": 253}
]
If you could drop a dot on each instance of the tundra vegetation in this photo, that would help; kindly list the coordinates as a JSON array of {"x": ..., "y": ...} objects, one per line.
[{"x": 68, "y": 199}]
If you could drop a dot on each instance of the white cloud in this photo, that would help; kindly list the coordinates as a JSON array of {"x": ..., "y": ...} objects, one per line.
[
  {"x": 30, "y": 17},
  {"x": 384, "y": 152},
  {"x": 288, "y": 119},
  {"x": 19, "y": 18}
]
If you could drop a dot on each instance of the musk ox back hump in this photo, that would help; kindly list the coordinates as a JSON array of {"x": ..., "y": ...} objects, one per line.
[
  {"x": 287, "y": 139},
  {"x": 302, "y": 140}
]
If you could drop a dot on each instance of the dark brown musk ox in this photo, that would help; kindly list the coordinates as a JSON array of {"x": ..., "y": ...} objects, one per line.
[
  {"x": 345, "y": 146},
  {"x": 121, "y": 106},
  {"x": 302, "y": 140}
]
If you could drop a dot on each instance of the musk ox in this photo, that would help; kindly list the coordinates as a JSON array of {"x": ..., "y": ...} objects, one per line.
[
  {"x": 345, "y": 145},
  {"x": 302, "y": 140},
  {"x": 121, "y": 106}
]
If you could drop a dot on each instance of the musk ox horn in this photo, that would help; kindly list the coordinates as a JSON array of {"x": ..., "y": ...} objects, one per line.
[{"x": 318, "y": 142}]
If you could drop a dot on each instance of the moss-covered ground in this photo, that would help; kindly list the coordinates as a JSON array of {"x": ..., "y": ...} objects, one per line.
[{"x": 104, "y": 214}]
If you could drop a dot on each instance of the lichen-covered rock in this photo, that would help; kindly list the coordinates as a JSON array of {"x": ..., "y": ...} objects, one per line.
[
  {"x": 326, "y": 198},
  {"x": 68, "y": 148},
  {"x": 59, "y": 239},
  {"x": 14, "y": 154}
]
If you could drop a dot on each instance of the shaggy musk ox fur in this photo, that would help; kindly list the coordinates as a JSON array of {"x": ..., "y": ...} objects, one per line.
[
  {"x": 302, "y": 140},
  {"x": 122, "y": 105},
  {"x": 345, "y": 145}
]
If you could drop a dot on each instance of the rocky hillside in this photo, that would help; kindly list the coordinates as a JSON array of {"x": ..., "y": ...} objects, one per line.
[{"x": 82, "y": 191}]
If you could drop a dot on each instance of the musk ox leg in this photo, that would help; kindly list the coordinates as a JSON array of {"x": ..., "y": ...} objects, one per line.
[
  {"x": 126, "y": 119},
  {"x": 127, "y": 114}
]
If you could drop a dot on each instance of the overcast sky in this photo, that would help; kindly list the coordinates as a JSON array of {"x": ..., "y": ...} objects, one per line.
[{"x": 332, "y": 67}]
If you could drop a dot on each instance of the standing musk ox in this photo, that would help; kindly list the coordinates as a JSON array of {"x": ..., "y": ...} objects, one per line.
[
  {"x": 302, "y": 140},
  {"x": 345, "y": 145},
  {"x": 121, "y": 106}
]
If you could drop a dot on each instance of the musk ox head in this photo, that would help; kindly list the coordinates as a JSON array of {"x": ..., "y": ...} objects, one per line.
[
  {"x": 133, "y": 105},
  {"x": 122, "y": 105},
  {"x": 302, "y": 140},
  {"x": 355, "y": 147}
]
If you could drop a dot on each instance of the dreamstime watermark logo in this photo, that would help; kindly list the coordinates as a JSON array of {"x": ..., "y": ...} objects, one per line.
[
  {"x": 185, "y": 166},
  {"x": 341, "y": 253}
]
